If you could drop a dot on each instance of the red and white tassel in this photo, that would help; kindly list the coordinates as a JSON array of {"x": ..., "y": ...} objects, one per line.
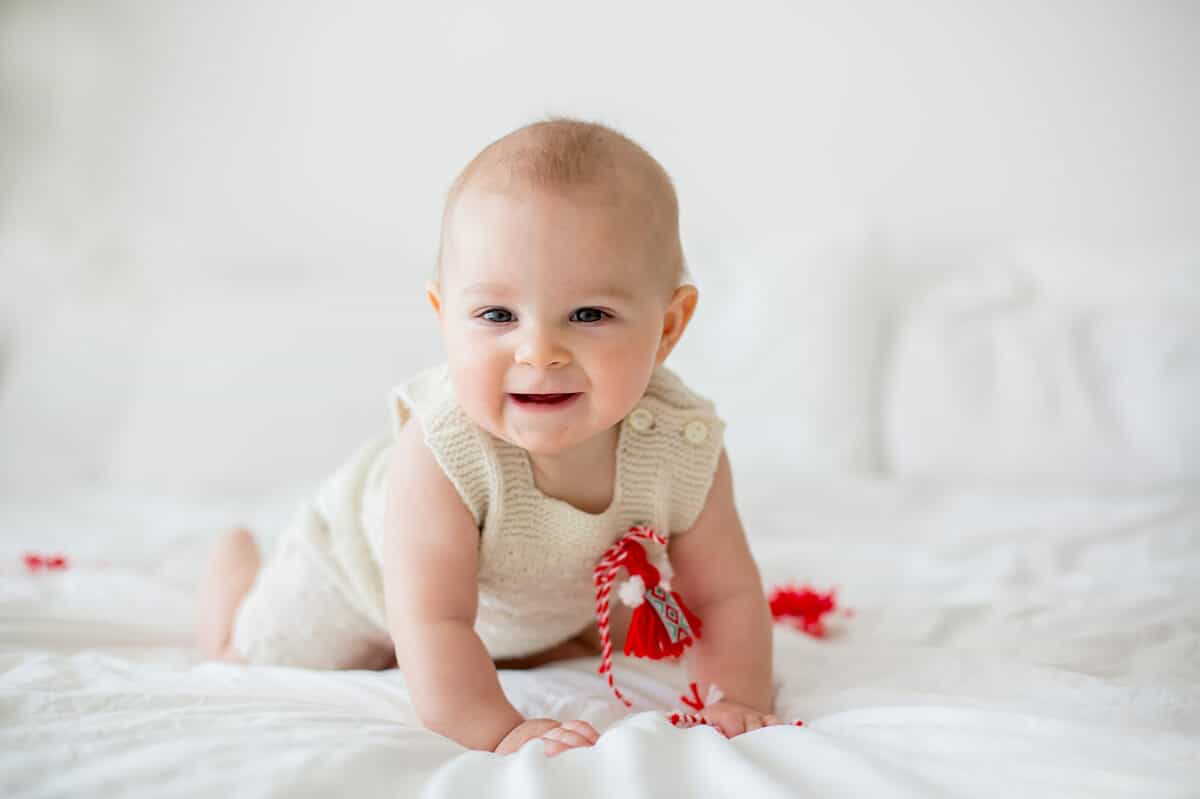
[
  {"x": 662, "y": 626},
  {"x": 654, "y": 605}
]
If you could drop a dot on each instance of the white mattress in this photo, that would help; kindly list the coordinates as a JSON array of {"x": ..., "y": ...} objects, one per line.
[{"x": 1001, "y": 645}]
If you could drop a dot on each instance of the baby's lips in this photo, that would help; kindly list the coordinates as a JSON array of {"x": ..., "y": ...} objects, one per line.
[{"x": 545, "y": 395}]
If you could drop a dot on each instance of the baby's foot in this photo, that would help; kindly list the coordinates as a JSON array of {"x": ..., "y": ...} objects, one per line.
[{"x": 231, "y": 571}]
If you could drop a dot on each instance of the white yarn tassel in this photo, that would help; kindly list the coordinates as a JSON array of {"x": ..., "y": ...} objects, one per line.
[
  {"x": 714, "y": 695},
  {"x": 633, "y": 591}
]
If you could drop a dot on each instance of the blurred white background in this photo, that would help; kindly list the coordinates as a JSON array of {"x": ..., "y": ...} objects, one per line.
[{"x": 934, "y": 240}]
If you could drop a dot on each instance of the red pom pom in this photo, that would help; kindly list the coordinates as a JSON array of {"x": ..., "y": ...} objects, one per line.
[{"x": 802, "y": 608}]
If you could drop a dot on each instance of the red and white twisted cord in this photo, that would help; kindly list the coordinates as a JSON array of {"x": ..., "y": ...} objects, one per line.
[
  {"x": 685, "y": 720},
  {"x": 604, "y": 577}
]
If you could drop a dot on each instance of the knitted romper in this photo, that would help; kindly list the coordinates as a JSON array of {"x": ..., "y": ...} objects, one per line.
[{"x": 318, "y": 600}]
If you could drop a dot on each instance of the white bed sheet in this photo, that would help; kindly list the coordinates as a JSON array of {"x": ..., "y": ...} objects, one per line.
[{"x": 1001, "y": 645}]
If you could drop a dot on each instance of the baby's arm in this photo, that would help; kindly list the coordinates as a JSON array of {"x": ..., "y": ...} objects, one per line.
[
  {"x": 430, "y": 568},
  {"x": 431, "y": 593},
  {"x": 716, "y": 576}
]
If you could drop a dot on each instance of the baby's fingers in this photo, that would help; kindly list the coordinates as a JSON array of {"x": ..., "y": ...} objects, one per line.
[
  {"x": 734, "y": 724},
  {"x": 730, "y": 724},
  {"x": 560, "y": 739},
  {"x": 582, "y": 728},
  {"x": 552, "y": 747}
]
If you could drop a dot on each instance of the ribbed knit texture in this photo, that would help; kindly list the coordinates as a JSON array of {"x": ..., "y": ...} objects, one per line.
[{"x": 537, "y": 553}]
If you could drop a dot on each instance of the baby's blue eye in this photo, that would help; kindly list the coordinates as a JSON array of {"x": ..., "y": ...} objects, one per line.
[
  {"x": 505, "y": 316},
  {"x": 588, "y": 315}
]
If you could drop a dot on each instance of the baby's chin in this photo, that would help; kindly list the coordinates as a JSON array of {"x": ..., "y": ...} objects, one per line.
[
  {"x": 544, "y": 444},
  {"x": 552, "y": 441}
]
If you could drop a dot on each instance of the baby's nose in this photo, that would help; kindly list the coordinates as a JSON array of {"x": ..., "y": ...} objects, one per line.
[{"x": 541, "y": 348}]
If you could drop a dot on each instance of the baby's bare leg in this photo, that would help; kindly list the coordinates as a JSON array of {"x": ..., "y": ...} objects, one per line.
[{"x": 231, "y": 571}]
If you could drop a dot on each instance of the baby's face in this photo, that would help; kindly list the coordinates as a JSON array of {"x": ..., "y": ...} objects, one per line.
[{"x": 553, "y": 293}]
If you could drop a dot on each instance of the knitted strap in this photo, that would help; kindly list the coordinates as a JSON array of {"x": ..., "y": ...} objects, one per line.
[{"x": 604, "y": 576}]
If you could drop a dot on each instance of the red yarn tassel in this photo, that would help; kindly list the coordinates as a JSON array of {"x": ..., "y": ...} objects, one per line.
[
  {"x": 648, "y": 636},
  {"x": 801, "y": 607}
]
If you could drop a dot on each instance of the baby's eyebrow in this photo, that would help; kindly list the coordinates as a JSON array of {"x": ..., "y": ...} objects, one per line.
[{"x": 614, "y": 292}]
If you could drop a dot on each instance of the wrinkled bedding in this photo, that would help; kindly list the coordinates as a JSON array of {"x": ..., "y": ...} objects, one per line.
[{"x": 999, "y": 644}]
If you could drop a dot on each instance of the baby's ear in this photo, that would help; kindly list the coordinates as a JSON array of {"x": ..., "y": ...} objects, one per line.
[
  {"x": 675, "y": 320},
  {"x": 434, "y": 295}
]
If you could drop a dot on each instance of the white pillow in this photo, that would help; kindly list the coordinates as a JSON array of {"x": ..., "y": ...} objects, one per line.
[
  {"x": 991, "y": 381},
  {"x": 786, "y": 341},
  {"x": 245, "y": 395},
  {"x": 1146, "y": 365},
  {"x": 1112, "y": 273}
]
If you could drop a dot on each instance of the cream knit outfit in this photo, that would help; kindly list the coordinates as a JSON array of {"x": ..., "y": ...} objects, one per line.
[{"x": 318, "y": 602}]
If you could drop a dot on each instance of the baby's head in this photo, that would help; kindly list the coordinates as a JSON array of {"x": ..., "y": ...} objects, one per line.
[{"x": 560, "y": 271}]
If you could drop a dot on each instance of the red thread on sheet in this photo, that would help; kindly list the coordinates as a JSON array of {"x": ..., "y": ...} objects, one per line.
[
  {"x": 35, "y": 562},
  {"x": 802, "y": 608}
]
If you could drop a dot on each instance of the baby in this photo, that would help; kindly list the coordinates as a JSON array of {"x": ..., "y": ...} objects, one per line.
[{"x": 464, "y": 540}]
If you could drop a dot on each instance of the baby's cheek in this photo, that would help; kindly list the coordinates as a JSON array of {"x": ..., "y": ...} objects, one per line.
[{"x": 480, "y": 392}]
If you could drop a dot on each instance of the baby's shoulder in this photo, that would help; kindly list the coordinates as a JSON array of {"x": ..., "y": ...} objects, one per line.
[
  {"x": 423, "y": 472},
  {"x": 428, "y": 423},
  {"x": 427, "y": 396},
  {"x": 412, "y": 465}
]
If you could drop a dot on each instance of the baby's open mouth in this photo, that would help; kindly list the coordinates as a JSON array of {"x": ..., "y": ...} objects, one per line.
[{"x": 544, "y": 399}]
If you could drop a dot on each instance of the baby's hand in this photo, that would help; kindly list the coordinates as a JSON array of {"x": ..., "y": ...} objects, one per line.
[
  {"x": 733, "y": 719},
  {"x": 558, "y": 736}
]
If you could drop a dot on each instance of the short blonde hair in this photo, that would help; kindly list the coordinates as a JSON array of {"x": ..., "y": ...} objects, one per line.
[{"x": 562, "y": 152}]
